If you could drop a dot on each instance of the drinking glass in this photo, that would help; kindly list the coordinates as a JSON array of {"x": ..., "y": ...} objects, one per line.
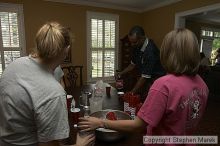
[{"x": 84, "y": 101}]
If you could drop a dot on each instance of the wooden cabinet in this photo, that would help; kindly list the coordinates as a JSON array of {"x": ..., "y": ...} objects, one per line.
[
  {"x": 125, "y": 59},
  {"x": 125, "y": 52}
]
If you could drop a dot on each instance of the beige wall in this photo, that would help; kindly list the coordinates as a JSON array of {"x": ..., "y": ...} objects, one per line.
[
  {"x": 159, "y": 22},
  {"x": 37, "y": 12}
]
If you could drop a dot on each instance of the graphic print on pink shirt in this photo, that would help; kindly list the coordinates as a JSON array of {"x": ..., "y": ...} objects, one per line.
[{"x": 193, "y": 104}]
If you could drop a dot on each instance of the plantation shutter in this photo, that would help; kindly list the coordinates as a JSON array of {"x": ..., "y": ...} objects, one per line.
[
  {"x": 10, "y": 47},
  {"x": 103, "y": 47}
]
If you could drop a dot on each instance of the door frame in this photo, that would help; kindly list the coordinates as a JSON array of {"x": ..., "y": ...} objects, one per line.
[{"x": 180, "y": 16}]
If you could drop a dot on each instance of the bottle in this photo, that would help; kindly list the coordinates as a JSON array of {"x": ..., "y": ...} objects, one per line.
[{"x": 119, "y": 83}]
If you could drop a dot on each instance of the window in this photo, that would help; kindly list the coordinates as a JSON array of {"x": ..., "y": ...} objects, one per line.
[
  {"x": 207, "y": 33},
  {"x": 11, "y": 34},
  {"x": 210, "y": 33},
  {"x": 102, "y": 45},
  {"x": 217, "y": 34}
]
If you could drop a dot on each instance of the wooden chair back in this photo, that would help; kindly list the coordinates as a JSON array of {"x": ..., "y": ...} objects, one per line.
[{"x": 72, "y": 77}]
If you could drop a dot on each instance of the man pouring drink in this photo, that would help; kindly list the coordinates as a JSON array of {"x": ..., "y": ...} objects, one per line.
[{"x": 145, "y": 57}]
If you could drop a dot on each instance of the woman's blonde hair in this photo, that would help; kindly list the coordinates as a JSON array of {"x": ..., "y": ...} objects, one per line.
[
  {"x": 51, "y": 40},
  {"x": 180, "y": 52}
]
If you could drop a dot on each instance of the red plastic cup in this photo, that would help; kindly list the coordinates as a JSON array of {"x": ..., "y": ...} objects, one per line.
[
  {"x": 68, "y": 101},
  {"x": 120, "y": 96},
  {"x": 75, "y": 114},
  {"x": 108, "y": 90}
]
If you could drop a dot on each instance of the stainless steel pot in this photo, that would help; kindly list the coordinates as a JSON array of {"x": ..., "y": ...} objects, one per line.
[{"x": 107, "y": 134}]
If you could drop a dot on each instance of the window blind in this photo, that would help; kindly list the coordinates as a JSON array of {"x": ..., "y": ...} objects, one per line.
[
  {"x": 103, "y": 36},
  {"x": 10, "y": 46},
  {"x": 9, "y": 28}
]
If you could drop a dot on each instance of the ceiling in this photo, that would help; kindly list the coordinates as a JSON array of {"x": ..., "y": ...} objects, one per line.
[{"x": 129, "y": 5}]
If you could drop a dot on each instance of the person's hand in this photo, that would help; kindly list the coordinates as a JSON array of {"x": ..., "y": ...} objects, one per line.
[
  {"x": 117, "y": 75},
  {"x": 84, "y": 140},
  {"x": 90, "y": 123}
]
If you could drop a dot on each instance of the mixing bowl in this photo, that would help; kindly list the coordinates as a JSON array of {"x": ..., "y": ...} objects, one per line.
[{"x": 107, "y": 134}]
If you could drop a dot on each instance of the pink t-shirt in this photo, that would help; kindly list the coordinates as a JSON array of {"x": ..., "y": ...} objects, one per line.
[{"x": 174, "y": 105}]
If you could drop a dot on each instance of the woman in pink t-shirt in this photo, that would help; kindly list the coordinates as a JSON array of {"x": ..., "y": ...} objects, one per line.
[{"x": 176, "y": 101}]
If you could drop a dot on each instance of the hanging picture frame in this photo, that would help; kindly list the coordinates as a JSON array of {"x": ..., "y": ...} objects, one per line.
[{"x": 68, "y": 58}]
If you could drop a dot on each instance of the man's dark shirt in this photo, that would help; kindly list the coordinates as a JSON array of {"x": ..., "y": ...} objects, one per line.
[{"x": 148, "y": 61}]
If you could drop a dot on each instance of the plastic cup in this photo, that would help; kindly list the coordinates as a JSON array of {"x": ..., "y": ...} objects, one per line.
[
  {"x": 120, "y": 96},
  {"x": 108, "y": 90},
  {"x": 75, "y": 114},
  {"x": 95, "y": 104}
]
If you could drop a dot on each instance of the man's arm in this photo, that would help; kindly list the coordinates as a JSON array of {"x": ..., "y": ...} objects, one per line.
[
  {"x": 139, "y": 84},
  {"x": 130, "y": 67}
]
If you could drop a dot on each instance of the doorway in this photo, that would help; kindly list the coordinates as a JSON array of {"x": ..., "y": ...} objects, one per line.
[{"x": 205, "y": 23}]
